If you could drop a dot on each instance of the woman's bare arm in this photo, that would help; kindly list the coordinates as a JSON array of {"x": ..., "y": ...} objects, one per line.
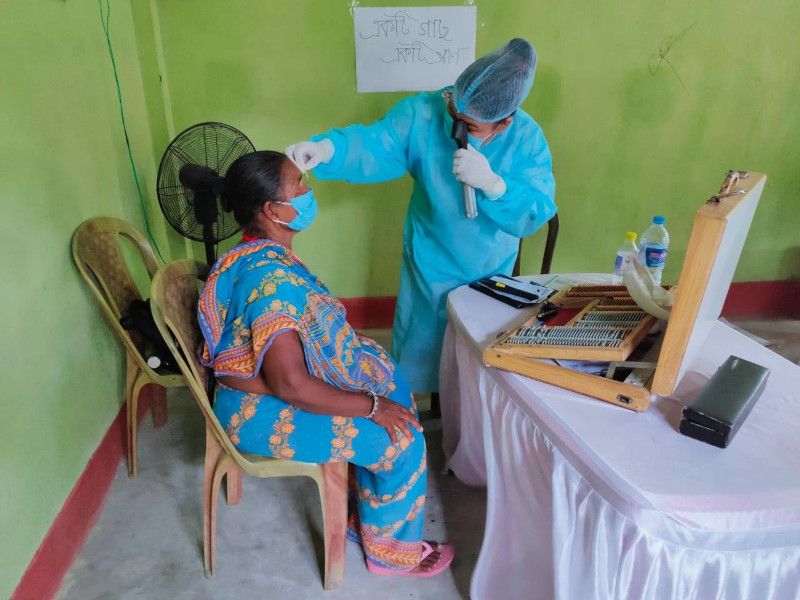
[{"x": 286, "y": 374}]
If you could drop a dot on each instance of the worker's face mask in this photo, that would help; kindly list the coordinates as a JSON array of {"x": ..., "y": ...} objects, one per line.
[
  {"x": 306, "y": 207},
  {"x": 478, "y": 142}
]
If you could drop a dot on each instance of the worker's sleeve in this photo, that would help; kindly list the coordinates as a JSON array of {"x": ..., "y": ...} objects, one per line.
[
  {"x": 530, "y": 191},
  {"x": 370, "y": 153}
]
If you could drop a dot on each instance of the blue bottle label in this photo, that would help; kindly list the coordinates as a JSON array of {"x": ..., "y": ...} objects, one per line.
[
  {"x": 655, "y": 256},
  {"x": 618, "y": 265}
]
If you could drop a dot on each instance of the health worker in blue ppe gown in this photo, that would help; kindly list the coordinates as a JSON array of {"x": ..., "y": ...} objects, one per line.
[{"x": 507, "y": 162}]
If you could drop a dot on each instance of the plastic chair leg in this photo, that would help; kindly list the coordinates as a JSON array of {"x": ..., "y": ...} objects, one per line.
[
  {"x": 223, "y": 464},
  {"x": 158, "y": 408},
  {"x": 142, "y": 379},
  {"x": 131, "y": 420},
  {"x": 213, "y": 451},
  {"x": 234, "y": 485},
  {"x": 333, "y": 497}
]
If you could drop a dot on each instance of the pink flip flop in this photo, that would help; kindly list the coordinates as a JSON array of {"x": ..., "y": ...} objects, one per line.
[{"x": 446, "y": 554}]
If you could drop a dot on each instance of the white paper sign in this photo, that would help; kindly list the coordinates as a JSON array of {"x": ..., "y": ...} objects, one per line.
[{"x": 407, "y": 49}]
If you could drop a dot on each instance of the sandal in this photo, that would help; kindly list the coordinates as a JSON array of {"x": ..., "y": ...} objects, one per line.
[{"x": 446, "y": 554}]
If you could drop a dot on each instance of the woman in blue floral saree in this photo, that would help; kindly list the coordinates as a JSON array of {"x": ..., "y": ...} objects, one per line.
[{"x": 296, "y": 382}]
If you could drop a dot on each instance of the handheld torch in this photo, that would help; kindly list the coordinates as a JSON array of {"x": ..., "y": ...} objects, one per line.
[{"x": 459, "y": 134}]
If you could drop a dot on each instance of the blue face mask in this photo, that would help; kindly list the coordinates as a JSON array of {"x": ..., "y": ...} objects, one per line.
[
  {"x": 306, "y": 207},
  {"x": 475, "y": 142},
  {"x": 478, "y": 142}
]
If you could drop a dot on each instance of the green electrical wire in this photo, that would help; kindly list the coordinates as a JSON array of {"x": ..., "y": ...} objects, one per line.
[{"x": 104, "y": 20}]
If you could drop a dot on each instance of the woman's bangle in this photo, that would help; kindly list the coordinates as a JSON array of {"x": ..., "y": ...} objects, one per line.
[{"x": 374, "y": 410}]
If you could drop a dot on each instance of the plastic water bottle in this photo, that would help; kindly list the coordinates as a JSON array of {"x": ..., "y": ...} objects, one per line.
[
  {"x": 627, "y": 249},
  {"x": 653, "y": 247}
]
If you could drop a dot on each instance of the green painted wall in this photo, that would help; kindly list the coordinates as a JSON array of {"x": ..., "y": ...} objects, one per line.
[
  {"x": 62, "y": 160},
  {"x": 626, "y": 143}
]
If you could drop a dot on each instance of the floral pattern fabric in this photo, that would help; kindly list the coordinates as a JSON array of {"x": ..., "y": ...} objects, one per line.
[{"x": 260, "y": 289}]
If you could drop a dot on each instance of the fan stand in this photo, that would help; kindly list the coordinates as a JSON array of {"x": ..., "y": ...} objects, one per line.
[
  {"x": 191, "y": 182},
  {"x": 205, "y": 211}
]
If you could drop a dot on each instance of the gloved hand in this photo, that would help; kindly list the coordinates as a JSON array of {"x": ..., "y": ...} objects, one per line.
[
  {"x": 307, "y": 155},
  {"x": 472, "y": 168}
]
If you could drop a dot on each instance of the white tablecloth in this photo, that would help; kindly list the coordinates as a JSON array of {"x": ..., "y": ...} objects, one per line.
[{"x": 587, "y": 500}]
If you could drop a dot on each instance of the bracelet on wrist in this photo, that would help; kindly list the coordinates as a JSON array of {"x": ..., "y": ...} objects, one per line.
[{"x": 375, "y": 402}]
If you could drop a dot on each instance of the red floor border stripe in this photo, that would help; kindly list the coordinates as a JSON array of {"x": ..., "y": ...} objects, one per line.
[
  {"x": 370, "y": 312},
  {"x": 763, "y": 299}
]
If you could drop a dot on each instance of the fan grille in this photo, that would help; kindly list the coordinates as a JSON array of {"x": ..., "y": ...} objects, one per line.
[{"x": 214, "y": 145}]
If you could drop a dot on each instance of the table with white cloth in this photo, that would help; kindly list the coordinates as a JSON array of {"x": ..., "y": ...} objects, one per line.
[{"x": 588, "y": 500}]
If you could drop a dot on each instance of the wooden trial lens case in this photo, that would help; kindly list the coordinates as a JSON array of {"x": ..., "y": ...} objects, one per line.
[{"x": 715, "y": 245}]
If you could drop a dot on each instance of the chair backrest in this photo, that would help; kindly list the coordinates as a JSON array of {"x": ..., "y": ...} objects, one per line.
[
  {"x": 97, "y": 252},
  {"x": 549, "y": 248},
  {"x": 173, "y": 299}
]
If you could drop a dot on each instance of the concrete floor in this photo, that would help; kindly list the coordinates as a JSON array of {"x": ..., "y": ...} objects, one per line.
[
  {"x": 782, "y": 336},
  {"x": 147, "y": 543}
]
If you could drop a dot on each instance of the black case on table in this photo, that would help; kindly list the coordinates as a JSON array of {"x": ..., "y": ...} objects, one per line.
[{"x": 719, "y": 411}]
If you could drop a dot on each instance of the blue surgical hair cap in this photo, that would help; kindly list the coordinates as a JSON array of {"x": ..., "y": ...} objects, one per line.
[{"x": 494, "y": 86}]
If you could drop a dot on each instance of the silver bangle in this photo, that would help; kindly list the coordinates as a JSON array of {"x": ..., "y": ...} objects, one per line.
[{"x": 374, "y": 410}]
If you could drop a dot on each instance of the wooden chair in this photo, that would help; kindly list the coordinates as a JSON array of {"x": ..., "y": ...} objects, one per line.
[
  {"x": 175, "y": 294},
  {"x": 97, "y": 251}
]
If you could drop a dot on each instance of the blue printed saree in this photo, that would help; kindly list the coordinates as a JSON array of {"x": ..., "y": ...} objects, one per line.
[{"x": 260, "y": 289}]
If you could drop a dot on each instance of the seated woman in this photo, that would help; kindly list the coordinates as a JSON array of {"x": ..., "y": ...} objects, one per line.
[{"x": 295, "y": 381}]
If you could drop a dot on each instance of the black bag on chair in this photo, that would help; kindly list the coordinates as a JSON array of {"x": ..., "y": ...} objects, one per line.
[{"x": 155, "y": 351}]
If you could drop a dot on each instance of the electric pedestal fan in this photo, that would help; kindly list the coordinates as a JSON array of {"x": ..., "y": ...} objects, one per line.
[{"x": 189, "y": 202}]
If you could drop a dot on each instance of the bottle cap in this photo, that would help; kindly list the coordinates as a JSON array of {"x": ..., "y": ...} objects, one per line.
[
  {"x": 630, "y": 236},
  {"x": 659, "y": 220}
]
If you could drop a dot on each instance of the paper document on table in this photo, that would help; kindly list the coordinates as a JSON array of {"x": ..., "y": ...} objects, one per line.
[
  {"x": 584, "y": 366},
  {"x": 561, "y": 281}
]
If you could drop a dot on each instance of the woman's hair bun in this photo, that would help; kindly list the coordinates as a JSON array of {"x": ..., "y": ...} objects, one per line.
[
  {"x": 249, "y": 182},
  {"x": 224, "y": 199}
]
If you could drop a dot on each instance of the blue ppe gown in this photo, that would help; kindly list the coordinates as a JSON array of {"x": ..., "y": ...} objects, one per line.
[{"x": 442, "y": 249}]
